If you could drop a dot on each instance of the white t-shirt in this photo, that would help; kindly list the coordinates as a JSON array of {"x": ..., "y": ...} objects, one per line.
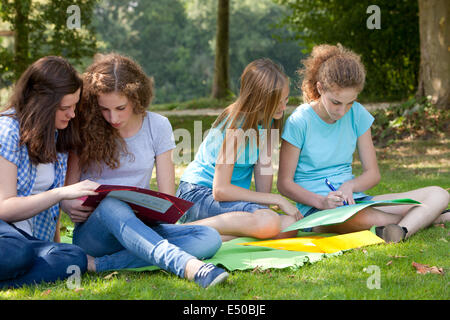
[
  {"x": 154, "y": 138},
  {"x": 45, "y": 176}
]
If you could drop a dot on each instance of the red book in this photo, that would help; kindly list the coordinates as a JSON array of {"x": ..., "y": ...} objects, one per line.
[{"x": 149, "y": 206}]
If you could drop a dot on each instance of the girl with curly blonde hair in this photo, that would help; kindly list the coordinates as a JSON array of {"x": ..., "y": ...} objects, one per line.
[
  {"x": 121, "y": 142},
  {"x": 319, "y": 140}
]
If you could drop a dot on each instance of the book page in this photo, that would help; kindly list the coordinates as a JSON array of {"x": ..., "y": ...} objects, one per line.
[{"x": 142, "y": 199}]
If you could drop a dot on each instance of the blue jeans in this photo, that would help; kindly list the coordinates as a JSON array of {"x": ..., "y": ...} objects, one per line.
[
  {"x": 205, "y": 206},
  {"x": 118, "y": 239},
  {"x": 25, "y": 260}
]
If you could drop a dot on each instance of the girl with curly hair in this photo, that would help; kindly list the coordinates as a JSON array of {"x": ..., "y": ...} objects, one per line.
[
  {"x": 36, "y": 132},
  {"x": 121, "y": 142},
  {"x": 319, "y": 140}
]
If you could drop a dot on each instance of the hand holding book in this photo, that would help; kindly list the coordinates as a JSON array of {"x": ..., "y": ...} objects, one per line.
[{"x": 150, "y": 206}]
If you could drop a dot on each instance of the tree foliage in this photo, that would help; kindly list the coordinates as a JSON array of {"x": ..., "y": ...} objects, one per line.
[
  {"x": 41, "y": 29},
  {"x": 174, "y": 41},
  {"x": 391, "y": 54}
]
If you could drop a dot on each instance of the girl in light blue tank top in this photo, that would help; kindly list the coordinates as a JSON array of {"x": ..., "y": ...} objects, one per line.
[
  {"x": 319, "y": 140},
  {"x": 238, "y": 147}
]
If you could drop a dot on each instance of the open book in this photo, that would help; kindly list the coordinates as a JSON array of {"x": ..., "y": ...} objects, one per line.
[
  {"x": 149, "y": 206},
  {"x": 341, "y": 214}
]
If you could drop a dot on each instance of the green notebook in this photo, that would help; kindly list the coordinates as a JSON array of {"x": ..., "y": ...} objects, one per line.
[{"x": 341, "y": 214}]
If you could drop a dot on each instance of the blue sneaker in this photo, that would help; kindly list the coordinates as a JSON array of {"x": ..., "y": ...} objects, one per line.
[{"x": 209, "y": 275}]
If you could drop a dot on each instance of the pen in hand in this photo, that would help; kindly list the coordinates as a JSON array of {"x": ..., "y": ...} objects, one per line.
[{"x": 328, "y": 183}]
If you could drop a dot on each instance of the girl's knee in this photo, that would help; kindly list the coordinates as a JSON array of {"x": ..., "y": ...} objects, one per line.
[
  {"x": 432, "y": 194},
  {"x": 110, "y": 207},
  {"x": 267, "y": 224},
  {"x": 442, "y": 195},
  {"x": 109, "y": 203}
]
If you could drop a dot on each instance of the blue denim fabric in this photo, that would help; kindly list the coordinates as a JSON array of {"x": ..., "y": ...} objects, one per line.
[
  {"x": 204, "y": 204},
  {"x": 25, "y": 260},
  {"x": 118, "y": 239},
  {"x": 314, "y": 210}
]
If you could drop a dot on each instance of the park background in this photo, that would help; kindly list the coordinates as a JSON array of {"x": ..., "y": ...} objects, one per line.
[{"x": 196, "y": 50}]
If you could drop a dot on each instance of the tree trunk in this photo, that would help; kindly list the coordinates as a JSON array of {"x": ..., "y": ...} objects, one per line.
[
  {"x": 21, "y": 49},
  {"x": 434, "y": 73},
  {"x": 221, "y": 65}
]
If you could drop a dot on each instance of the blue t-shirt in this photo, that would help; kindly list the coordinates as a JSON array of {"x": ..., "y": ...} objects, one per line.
[
  {"x": 326, "y": 150},
  {"x": 201, "y": 170}
]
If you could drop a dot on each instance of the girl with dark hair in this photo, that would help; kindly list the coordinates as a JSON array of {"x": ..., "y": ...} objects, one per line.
[
  {"x": 319, "y": 140},
  {"x": 121, "y": 142},
  {"x": 237, "y": 147},
  {"x": 36, "y": 132}
]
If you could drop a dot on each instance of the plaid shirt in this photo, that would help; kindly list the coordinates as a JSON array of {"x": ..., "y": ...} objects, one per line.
[{"x": 44, "y": 223}]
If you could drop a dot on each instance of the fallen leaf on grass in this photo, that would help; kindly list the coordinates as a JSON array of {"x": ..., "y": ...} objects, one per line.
[
  {"x": 257, "y": 269},
  {"x": 46, "y": 293},
  {"x": 362, "y": 250},
  {"x": 109, "y": 276},
  {"x": 389, "y": 262},
  {"x": 424, "y": 269}
]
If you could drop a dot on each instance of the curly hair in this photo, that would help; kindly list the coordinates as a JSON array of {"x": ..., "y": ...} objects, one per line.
[
  {"x": 101, "y": 143},
  {"x": 35, "y": 99},
  {"x": 331, "y": 66}
]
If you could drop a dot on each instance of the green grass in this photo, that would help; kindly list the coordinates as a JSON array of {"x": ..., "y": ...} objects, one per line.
[
  {"x": 404, "y": 165},
  {"x": 199, "y": 103},
  {"x": 208, "y": 103},
  {"x": 341, "y": 277}
]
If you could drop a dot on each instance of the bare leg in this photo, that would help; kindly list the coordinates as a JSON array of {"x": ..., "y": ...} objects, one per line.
[
  {"x": 434, "y": 200},
  {"x": 91, "y": 263},
  {"x": 192, "y": 267},
  {"x": 363, "y": 220},
  {"x": 286, "y": 221},
  {"x": 445, "y": 217},
  {"x": 227, "y": 237},
  {"x": 261, "y": 224}
]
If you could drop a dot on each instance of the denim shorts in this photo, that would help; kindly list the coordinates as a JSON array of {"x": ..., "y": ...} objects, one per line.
[
  {"x": 205, "y": 206},
  {"x": 314, "y": 210}
]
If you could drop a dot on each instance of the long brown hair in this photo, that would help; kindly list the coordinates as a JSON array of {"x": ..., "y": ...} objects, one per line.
[
  {"x": 331, "y": 66},
  {"x": 262, "y": 83},
  {"x": 36, "y": 97},
  {"x": 101, "y": 143}
]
